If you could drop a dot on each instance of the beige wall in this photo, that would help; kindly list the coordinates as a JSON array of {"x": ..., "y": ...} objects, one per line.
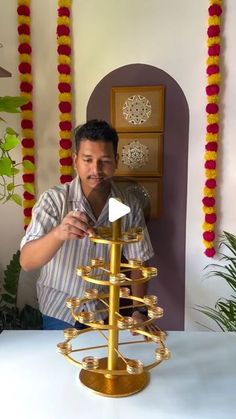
[{"x": 169, "y": 34}]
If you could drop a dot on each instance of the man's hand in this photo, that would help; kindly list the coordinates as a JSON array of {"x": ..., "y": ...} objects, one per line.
[{"x": 75, "y": 225}]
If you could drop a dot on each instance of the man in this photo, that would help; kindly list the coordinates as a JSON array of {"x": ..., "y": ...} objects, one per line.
[{"x": 57, "y": 239}]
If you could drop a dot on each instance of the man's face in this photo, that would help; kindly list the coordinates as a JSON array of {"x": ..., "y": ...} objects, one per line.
[{"x": 95, "y": 163}]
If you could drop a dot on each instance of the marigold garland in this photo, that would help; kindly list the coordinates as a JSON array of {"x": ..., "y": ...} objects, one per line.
[
  {"x": 212, "y": 129},
  {"x": 64, "y": 87},
  {"x": 26, "y": 88}
]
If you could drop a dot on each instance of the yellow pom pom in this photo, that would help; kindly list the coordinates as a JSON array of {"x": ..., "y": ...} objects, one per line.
[
  {"x": 64, "y": 3},
  {"x": 209, "y": 210},
  {"x": 213, "y": 118},
  {"x": 27, "y": 151},
  {"x": 66, "y": 170},
  {"x": 63, "y": 20},
  {"x": 65, "y": 117},
  {"x": 207, "y": 244},
  {"x": 26, "y": 96},
  {"x": 65, "y": 153},
  {"x": 24, "y": 39},
  {"x": 27, "y": 114},
  {"x": 65, "y": 134},
  {"x": 24, "y": 2},
  {"x": 210, "y": 193},
  {"x": 65, "y": 97},
  {"x": 210, "y": 173},
  {"x": 213, "y": 40},
  {"x": 213, "y": 99},
  {"x": 64, "y": 40},
  {"x": 210, "y": 155},
  {"x": 208, "y": 227},
  {"x": 213, "y": 60},
  {"x": 64, "y": 59},
  {"x": 27, "y": 221},
  {"x": 23, "y": 20},
  {"x": 28, "y": 203},
  {"x": 25, "y": 58},
  {"x": 27, "y": 133},
  {"x": 214, "y": 78},
  {"x": 26, "y": 77},
  {"x": 64, "y": 78},
  {"x": 211, "y": 137},
  {"x": 213, "y": 20}
]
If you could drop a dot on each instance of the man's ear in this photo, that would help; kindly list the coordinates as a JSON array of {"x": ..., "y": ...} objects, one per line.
[{"x": 75, "y": 157}]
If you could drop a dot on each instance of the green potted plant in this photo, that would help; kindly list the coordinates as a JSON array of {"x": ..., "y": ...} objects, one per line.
[
  {"x": 8, "y": 142},
  {"x": 224, "y": 311}
]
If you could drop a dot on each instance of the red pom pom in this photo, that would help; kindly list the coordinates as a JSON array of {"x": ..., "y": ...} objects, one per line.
[
  {"x": 210, "y": 164},
  {"x": 65, "y": 125},
  {"x": 27, "y": 107},
  {"x": 210, "y": 252},
  {"x": 28, "y": 178},
  {"x": 65, "y": 107},
  {"x": 210, "y": 218},
  {"x": 27, "y": 142},
  {"x": 211, "y": 146},
  {"x": 30, "y": 158},
  {"x": 208, "y": 201},
  {"x": 212, "y": 108},
  {"x": 64, "y": 11},
  {"x": 66, "y": 178},
  {"x": 209, "y": 236},
  {"x": 215, "y": 9},
  {"x": 214, "y": 50},
  {"x": 26, "y": 124},
  {"x": 64, "y": 49},
  {"x": 213, "y": 128},
  {"x": 212, "y": 89},
  {"x": 27, "y": 212},
  {"x": 26, "y": 87},
  {"x": 24, "y": 49},
  {"x": 24, "y": 68},
  {"x": 213, "y": 30},
  {"x": 210, "y": 183},
  {"x": 63, "y": 69},
  {"x": 65, "y": 144},
  {"x": 63, "y": 30},
  {"x": 64, "y": 87},
  {"x": 23, "y": 29},
  {"x": 27, "y": 196},
  {"x": 67, "y": 161},
  {"x": 23, "y": 10},
  {"x": 213, "y": 69}
]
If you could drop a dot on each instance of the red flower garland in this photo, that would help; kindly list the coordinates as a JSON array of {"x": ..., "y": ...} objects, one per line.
[
  {"x": 64, "y": 87},
  {"x": 26, "y": 88},
  {"x": 212, "y": 129}
]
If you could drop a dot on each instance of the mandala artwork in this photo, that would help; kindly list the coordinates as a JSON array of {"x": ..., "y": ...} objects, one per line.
[
  {"x": 137, "y": 109},
  {"x": 135, "y": 155}
]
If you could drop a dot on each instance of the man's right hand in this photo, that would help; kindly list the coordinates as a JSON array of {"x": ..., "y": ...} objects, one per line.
[{"x": 75, "y": 225}]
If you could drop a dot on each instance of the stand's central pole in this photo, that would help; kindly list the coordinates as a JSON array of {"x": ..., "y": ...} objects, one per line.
[{"x": 114, "y": 298}]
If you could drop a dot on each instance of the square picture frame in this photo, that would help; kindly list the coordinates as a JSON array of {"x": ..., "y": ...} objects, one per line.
[
  {"x": 137, "y": 108},
  {"x": 148, "y": 190},
  {"x": 140, "y": 154}
]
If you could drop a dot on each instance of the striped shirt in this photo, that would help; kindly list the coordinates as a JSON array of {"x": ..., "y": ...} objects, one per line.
[{"x": 58, "y": 279}]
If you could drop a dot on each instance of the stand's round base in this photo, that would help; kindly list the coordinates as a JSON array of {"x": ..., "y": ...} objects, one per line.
[{"x": 116, "y": 386}]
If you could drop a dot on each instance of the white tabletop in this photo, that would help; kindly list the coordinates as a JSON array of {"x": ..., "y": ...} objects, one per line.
[{"x": 199, "y": 380}]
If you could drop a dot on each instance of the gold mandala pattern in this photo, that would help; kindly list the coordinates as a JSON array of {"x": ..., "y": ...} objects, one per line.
[
  {"x": 137, "y": 109},
  {"x": 135, "y": 155}
]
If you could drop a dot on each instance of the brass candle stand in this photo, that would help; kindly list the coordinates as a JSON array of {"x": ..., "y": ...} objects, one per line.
[{"x": 115, "y": 375}]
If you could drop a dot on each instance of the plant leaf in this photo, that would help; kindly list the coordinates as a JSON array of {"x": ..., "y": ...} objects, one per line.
[
  {"x": 17, "y": 199},
  {"x": 7, "y": 298},
  {"x": 29, "y": 187},
  {"x": 27, "y": 164},
  {"x": 11, "y": 141},
  {"x": 10, "y": 186},
  {"x": 10, "y": 104},
  {"x": 5, "y": 166}
]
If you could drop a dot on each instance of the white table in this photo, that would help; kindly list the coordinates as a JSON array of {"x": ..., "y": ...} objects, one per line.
[{"x": 199, "y": 381}]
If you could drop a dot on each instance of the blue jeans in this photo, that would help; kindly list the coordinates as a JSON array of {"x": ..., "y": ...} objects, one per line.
[{"x": 51, "y": 323}]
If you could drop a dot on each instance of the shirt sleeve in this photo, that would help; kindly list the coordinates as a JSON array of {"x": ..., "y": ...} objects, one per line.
[{"x": 46, "y": 214}]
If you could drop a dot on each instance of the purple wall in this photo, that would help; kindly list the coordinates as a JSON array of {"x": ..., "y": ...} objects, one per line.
[{"x": 168, "y": 232}]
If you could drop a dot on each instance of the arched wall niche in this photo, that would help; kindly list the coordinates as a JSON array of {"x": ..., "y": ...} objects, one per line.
[{"x": 168, "y": 232}]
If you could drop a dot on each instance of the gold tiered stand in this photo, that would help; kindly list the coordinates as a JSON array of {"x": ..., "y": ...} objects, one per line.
[{"x": 115, "y": 375}]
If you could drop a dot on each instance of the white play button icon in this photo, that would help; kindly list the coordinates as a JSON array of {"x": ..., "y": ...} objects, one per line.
[{"x": 117, "y": 209}]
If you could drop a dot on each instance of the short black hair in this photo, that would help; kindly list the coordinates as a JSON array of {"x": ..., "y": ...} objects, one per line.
[{"x": 96, "y": 130}]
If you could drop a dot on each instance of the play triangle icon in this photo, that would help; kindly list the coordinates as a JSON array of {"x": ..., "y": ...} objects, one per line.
[{"x": 116, "y": 209}]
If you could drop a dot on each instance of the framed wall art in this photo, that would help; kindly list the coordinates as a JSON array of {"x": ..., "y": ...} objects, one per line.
[
  {"x": 147, "y": 190},
  {"x": 140, "y": 154},
  {"x": 137, "y": 108}
]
